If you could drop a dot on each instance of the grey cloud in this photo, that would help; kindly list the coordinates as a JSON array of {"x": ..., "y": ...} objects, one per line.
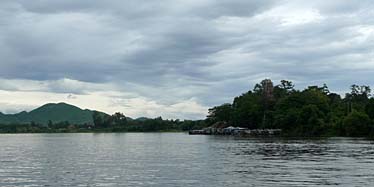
[
  {"x": 145, "y": 8},
  {"x": 11, "y": 109},
  {"x": 170, "y": 51}
]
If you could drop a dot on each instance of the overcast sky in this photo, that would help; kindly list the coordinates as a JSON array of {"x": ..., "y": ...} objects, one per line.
[{"x": 176, "y": 58}]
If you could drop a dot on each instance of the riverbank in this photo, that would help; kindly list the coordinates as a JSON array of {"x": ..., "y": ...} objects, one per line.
[
  {"x": 98, "y": 131},
  {"x": 236, "y": 131},
  {"x": 46, "y": 131}
]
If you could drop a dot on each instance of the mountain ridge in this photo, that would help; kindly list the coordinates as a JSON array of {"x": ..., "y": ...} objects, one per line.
[{"x": 55, "y": 112}]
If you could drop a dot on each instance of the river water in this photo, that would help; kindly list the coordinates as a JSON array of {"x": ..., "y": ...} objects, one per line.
[{"x": 177, "y": 159}]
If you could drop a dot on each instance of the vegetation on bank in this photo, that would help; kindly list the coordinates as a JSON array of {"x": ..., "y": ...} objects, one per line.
[
  {"x": 106, "y": 123},
  {"x": 314, "y": 111},
  {"x": 62, "y": 117}
]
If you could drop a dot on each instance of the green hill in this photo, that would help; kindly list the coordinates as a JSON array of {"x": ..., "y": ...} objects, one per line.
[{"x": 55, "y": 112}]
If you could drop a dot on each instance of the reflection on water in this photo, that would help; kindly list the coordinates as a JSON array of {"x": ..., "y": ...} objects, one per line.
[{"x": 176, "y": 159}]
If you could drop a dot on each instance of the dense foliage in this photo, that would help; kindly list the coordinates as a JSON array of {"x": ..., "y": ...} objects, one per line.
[
  {"x": 106, "y": 123},
  {"x": 314, "y": 111}
]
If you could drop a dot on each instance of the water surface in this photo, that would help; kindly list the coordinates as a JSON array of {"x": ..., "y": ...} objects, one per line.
[{"x": 177, "y": 159}]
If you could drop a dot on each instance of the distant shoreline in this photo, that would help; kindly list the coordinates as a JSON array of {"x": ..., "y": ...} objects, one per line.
[{"x": 92, "y": 131}]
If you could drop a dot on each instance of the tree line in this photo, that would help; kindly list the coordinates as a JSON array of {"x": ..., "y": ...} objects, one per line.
[
  {"x": 314, "y": 111},
  {"x": 102, "y": 122}
]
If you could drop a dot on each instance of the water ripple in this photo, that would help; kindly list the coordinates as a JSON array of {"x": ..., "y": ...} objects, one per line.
[{"x": 176, "y": 159}]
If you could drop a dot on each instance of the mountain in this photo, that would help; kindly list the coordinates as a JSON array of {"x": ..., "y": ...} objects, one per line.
[
  {"x": 56, "y": 112},
  {"x": 142, "y": 118}
]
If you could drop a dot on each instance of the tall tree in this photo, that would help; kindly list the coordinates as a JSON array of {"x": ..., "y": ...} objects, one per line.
[
  {"x": 220, "y": 113},
  {"x": 97, "y": 119},
  {"x": 119, "y": 118}
]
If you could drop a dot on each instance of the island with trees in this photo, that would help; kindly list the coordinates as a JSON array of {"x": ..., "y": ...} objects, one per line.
[
  {"x": 311, "y": 112},
  {"x": 314, "y": 111}
]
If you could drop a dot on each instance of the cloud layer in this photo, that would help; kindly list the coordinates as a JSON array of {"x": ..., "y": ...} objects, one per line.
[{"x": 176, "y": 58}]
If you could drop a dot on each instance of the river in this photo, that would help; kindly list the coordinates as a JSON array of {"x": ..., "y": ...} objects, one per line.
[{"x": 177, "y": 159}]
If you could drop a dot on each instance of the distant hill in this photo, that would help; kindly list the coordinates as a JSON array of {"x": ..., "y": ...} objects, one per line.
[
  {"x": 142, "y": 118},
  {"x": 56, "y": 112}
]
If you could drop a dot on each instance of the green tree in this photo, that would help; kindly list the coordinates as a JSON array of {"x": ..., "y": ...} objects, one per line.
[
  {"x": 357, "y": 124},
  {"x": 248, "y": 110},
  {"x": 283, "y": 89},
  {"x": 311, "y": 120},
  {"x": 50, "y": 124},
  {"x": 97, "y": 119},
  {"x": 369, "y": 108},
  {"x": 220, "y": 113},
  {"x": 119, "y": 119},
  {"x": 287, "y": 85}
]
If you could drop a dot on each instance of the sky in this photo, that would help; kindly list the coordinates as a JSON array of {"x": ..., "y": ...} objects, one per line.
[{"x": 176, "y": 58}]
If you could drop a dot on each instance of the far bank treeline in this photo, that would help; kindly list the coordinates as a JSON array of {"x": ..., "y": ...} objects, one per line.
[
  {"x": 100, "y": 122},
  {"x": 117, "y": 122}
]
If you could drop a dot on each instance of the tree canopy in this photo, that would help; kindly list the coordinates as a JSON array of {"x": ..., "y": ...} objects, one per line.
[{"x": 314, "y": 111}]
